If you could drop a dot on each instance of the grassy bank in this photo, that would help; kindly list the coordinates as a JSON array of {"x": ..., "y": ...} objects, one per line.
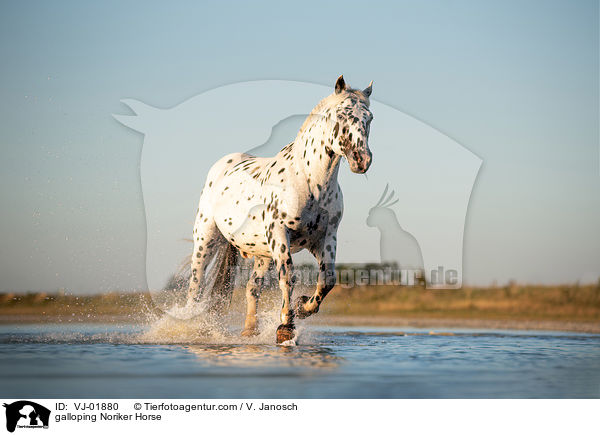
[
  {"x": 383, "y": 304},
  {"x": 41, "y": 307},
  {"x": 566, "y": 303}
]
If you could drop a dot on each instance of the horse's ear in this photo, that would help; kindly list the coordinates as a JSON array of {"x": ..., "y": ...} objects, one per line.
[
  {"x": 340, "y": 84},
  {"x": 368, "y": 89}
]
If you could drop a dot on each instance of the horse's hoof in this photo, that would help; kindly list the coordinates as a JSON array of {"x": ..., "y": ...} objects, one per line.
[
  {"x": 249, "y": 332},
  {"x": 285, "y": 333}
]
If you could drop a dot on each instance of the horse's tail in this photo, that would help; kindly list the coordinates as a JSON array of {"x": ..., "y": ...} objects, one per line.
[
  {"x": 220, "y": 277},
  {"x": 215, "y": 289}
]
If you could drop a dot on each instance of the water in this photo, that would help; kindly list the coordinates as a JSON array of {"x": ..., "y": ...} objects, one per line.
[{"x": 101, "y": 361}]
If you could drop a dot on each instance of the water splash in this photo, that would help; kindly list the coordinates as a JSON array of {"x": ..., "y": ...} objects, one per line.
[{"x": 193, "y": 324}]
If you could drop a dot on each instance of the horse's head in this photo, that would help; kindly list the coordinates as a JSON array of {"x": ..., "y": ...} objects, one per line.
[{"x": 351, "y": 119}]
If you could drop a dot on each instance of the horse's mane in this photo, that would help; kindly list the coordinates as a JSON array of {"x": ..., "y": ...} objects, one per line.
[{"x": 331, "y": 100}]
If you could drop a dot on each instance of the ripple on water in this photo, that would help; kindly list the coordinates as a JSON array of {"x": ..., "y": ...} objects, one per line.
[{"x": 200, "y": 357}]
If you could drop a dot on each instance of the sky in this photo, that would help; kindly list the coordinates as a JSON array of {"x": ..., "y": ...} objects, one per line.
[{"x": 514, "y": 82}]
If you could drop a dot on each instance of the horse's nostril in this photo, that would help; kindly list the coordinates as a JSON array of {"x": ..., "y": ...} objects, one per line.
[{"x": 368, "y": 161}]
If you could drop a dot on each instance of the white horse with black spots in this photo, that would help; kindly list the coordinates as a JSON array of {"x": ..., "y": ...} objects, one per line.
[{"x": 270, "y": 208}]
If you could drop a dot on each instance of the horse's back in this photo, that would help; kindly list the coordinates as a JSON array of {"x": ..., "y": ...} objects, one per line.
[{"x": 225, "y": 163}]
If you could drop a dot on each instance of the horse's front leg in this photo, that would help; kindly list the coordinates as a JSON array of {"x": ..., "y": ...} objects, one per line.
[
  {"x": 325, "y": 255},
  {"x": 278, "y": 239}
]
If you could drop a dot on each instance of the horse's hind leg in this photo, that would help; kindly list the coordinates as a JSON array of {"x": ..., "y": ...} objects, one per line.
[
  {"x": 206, "y": 241},
  {"x": 253, "y": 289}
]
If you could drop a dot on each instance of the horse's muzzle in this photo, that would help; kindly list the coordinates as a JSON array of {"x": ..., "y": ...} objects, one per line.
[{"x": 360, "y": 163}]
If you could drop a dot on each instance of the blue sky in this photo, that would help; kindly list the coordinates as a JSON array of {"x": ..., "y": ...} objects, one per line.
[{"x": 515, "y": 82}]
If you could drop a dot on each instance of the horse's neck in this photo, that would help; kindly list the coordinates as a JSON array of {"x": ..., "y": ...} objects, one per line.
[{"x": 316, "y": 164}]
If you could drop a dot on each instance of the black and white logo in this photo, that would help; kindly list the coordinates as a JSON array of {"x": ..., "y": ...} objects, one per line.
[{"x": 27, "y": 415}]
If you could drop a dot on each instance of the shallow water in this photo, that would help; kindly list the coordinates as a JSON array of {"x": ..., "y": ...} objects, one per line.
[{"x": 98, "y": 361}]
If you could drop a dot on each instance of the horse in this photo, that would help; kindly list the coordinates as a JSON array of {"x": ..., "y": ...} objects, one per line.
[{"x": 271, "y": 208}]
